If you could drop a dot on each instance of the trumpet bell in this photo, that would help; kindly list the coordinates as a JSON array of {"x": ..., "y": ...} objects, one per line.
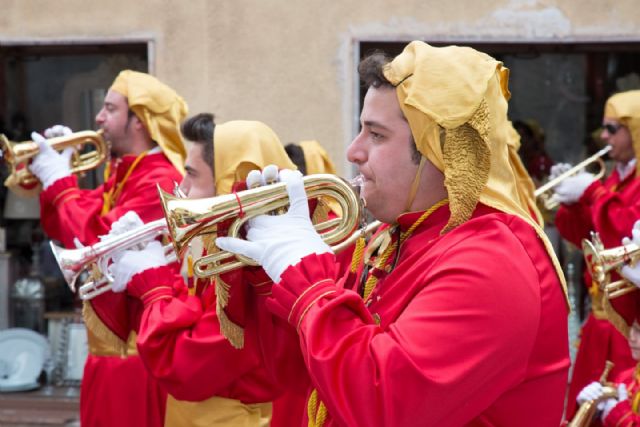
[
  {"x": 189, "y": 218},
  {"x": 70, "y": 261},
  {"x": 602, "y": 262},
  {"x": 18, "y": 154},
  {"x": 73, "y": 262}
]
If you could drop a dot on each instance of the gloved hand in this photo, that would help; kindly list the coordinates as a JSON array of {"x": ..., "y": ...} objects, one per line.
[
  {"x": 558, "y": 169},
  {"x": 571, "y": 189},
  {"x": 131, "y": 262},
  {"x": 609, "y": 404},
  {"x": 591, "y": 392},
  {"x": 632, "y": 273},
  {"x": 57, "y": 130},
  {"x": 129, "y": 221},
  {"x": 280, "y": 241},
  {"x": 49, "y": 165}
]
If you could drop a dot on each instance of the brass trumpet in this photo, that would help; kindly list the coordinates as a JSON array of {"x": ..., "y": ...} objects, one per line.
[
  {"x": 586, "y": 412},
  {"x": 544, "y": 192},
  {"x": 601, "y": 262},
  {"x": 18, "y": 154},
  {"x": 95, "y": 259},
  {"x": 187, "y": 219}
]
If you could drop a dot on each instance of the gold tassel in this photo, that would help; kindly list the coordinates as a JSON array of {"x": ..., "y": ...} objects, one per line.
[
  {"x": 467, "y": 162},
  {"x": 616, "y": 320},
  {"x": 358, "y": 253},
  {"x": 321, "y": 212},
  {"x": 230, "y": 330}
]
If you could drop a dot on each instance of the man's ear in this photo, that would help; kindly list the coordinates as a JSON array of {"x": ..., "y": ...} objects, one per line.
[{"x": 136, "y": 122}]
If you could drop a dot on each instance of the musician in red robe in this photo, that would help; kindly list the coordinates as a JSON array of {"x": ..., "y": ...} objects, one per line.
[
  {"x": 623, "y": 410},
  {"x": 609, "y": 208},
  {"x": 457, "y": 314},
  {"x": 140, "y": 118},
  {"x": 195, "y": 338}
]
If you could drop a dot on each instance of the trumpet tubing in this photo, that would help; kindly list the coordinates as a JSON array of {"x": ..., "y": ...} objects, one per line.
[
  {"x": 18, "y": 154},
  {"x": 104, "y": 283},
  {"x": 187, "y": 219},
  {"x": 73, "y": 262},
  {"x": 602, "y": 262},
  {"x": 545, "y": 193},
  {"x": 618, "y": 288}
]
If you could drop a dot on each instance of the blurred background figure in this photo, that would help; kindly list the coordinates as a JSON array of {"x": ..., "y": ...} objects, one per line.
[
  {"x": 310, "y": 157},
  {"x": 532, "y": 150}
]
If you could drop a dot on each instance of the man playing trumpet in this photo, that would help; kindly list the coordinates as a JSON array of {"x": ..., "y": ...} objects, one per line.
[
  {"x": 140, "y": 117},
  {"x": 609, "y": 208},
  {"x": 198, "y": 337},
  {"x": 458, "y": 315},
  {"x": 624, "y": 409}
]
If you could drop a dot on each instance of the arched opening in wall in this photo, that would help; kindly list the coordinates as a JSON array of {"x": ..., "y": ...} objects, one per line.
[{"x": 43, "y": 84}]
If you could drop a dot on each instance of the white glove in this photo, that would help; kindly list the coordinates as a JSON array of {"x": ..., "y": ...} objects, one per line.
[
  {"x": 609, "y": 404},
  {"x": 280, "y": 241},
  {"x": 49, "y": 165},
  {"x": 570, "y": 190},
  {"x": 632, "y": 273},
  {"x": 558, "y": 169},
  {"x": 131, "y": 262},
  {"x": 129, "y": 221},
  {"x": 57, "y": 130},
  {"x": 591, "y": 392}
]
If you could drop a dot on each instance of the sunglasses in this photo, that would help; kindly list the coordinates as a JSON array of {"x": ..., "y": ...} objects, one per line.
[{"x": 611, "y": 128}]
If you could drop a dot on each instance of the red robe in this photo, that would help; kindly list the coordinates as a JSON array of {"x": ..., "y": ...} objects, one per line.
[
  {"x": 610, "y": 209},
  {"x": 622, "y": 414},
  {"x": 116, "y": 391},
  {"x": 470, "y": 328},
  {"x": 181, "y": 344},
  {"x": 180, "y": 341}
]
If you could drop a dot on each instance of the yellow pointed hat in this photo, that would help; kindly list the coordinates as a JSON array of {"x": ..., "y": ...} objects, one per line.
[
  {"x": 159, "y": 107},
  {"x": 455, "y": 100},
  {"x": 241, "y": 146},
  {"x": 316, "y": 158}
]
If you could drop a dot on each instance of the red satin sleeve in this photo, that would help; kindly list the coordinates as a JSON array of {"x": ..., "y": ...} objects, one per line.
[
  {"x": 457, "y": 347},
  {"x": 68, "y": 211},
  {"x": 180, "y": 343}
]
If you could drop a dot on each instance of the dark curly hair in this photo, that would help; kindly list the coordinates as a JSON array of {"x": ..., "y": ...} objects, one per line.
[
  {"x": 370, "y": 70},
  {"x": 199, "y": 129}
]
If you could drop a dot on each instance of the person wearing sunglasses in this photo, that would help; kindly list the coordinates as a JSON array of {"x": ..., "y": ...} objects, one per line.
[{"x": 609, "y": 208}]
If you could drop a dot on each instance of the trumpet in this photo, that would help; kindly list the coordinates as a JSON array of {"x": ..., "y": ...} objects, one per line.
[
  {"x": 18, "y": 154},
  {"x": 95, "y": 259},
  {"x": 588, "y": 409},
  {"x": 601, "y": 262},
  {"x": 187, "y": 219},
  {"x": 544, "y": 192}
]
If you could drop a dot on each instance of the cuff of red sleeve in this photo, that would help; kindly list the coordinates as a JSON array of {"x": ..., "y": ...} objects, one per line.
[
  {"x": 60, "y": 191},
  {"x": 152, "y": 285},
  {"x": 593, "y": 192},
  {"x": 302, "y": 285},
  {"x": 620, "y": 411}
]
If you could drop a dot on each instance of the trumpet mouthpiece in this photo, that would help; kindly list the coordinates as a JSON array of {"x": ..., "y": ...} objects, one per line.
[{"x": 357, "y": 181}]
